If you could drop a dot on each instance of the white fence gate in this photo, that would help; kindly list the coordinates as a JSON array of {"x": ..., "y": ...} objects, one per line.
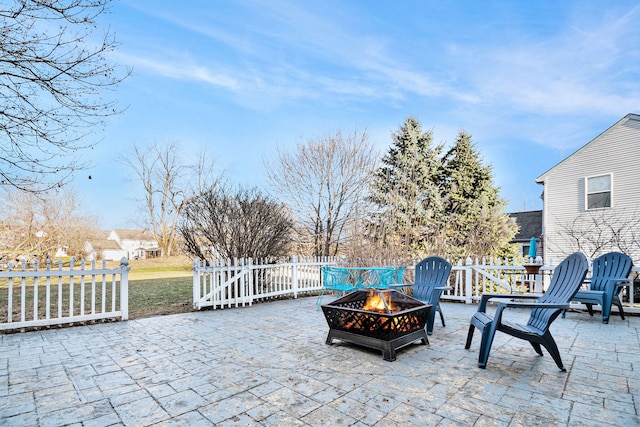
[
  {"x": 234, "y": 283},
  {"x": 57, "y": 296}
]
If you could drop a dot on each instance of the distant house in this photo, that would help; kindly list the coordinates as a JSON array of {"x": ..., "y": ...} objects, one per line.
[
  {"x": 592, "y": 191},
  {"x": 529, "y": 225},
  {"x": 104, "y": 249},
  {"x": 138, "y": 244},
  {"x": 122, "y": 243}
]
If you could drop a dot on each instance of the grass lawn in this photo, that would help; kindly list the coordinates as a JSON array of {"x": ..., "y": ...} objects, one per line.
[
  {"x": 160, "y": 286},
  {"x": 153, "y": 297}
]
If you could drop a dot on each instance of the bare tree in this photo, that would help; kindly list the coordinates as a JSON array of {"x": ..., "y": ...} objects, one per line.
[
  {"x": 39, "y": 224},
  {"x": 168, "y": 183},
  {"x": 240, "y": 224},
  {"x": 324, "y": 181},
  {"x": 598, "y": 231},
  {"x": 53, "y": 74}
]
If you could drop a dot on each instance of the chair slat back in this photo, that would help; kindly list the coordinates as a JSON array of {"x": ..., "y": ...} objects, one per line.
[
  {"x": 381, "y": 277},
  {"x": 430, "y": 272},
  {"x": 608, "y": 266},
  {"x": 565, "y": 282},
  {"x": 335, "y": 278}
]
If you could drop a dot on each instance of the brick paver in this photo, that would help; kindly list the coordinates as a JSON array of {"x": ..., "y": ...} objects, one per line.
[{"x": 269, "y": 365}]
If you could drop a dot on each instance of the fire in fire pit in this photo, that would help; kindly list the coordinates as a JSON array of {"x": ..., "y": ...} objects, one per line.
[{"x": 380, "y": 319}]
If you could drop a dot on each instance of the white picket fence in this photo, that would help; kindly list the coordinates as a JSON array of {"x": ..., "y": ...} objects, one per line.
[
  {"x": 51, "y": 296},
  {"x": 240, "y": 282}
]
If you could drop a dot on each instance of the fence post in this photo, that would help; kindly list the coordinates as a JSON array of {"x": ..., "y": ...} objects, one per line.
[
  {"x": 250, "y": 281},
  {"x": 195, "y": 282},
  {"x": 538, "y": 282},
  {"x": 124, "y": 288},
  {"x": 35, "y": 290},
  {"x": 72, "y": 260},
  {"x": 468, "y": 279},
  {"x": 294, "y": 275}
]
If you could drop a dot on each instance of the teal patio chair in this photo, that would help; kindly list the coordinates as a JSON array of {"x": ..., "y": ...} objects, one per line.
[
  {"x": 336, "y": 280},
  {"x": 379, "y": 278}
]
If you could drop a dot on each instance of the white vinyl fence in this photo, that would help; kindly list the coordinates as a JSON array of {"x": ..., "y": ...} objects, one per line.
[
  {"x": 56, "y": 296},
  {"x": 234, "y": 283},
  {"x": 227, "y": 283}
]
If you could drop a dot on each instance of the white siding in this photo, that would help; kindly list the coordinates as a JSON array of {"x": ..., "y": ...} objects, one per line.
[{"x": 612, "y": 152}]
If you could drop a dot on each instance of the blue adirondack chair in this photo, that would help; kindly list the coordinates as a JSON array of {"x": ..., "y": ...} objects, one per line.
[
  {"x": 335, "y": 280},
  {"x": 567, "y": 278},
  {"x": 431, "y": 279},
  {"x": 609, "y": 272}
]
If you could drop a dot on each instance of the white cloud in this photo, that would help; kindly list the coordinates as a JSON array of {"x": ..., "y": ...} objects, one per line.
[
  {"x": 180, "y": 69},
  {"x": 577, "y": 71}
]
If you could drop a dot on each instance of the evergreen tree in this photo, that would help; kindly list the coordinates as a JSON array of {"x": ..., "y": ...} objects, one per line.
[
  {"x": 405, "y": 189},
  {"x": 433, "y": 204},
  {"x": 475, "y": 220}
]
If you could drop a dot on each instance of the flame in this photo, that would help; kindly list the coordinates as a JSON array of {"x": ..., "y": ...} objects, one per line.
[{"x": 375, "y": 302}]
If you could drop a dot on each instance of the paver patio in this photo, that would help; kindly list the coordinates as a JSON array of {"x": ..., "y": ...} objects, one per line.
[{"x": 269, "y": 365}]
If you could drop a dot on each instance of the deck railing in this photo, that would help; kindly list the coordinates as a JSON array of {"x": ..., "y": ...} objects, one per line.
[{"x": 55, "y": 296}]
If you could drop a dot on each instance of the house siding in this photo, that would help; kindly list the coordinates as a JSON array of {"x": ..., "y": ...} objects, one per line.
[
  {"x": 612, "y": 152},
  {"x": 136, "y": 243},
  {"x": 101, "y": 249}
]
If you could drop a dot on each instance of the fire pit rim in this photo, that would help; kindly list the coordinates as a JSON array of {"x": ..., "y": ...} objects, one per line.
[{"x": 405, "y": 299}]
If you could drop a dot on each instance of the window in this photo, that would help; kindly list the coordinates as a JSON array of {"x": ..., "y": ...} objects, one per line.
[{"x": 599, "y": 192}]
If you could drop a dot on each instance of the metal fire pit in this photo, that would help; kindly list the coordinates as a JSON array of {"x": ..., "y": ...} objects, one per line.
[{"x": 387, "y": 331}]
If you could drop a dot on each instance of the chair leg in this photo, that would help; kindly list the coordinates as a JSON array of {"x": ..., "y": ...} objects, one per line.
[
  {"x": 485, "y": 345},
  {"x": 441, "y": 317},
  {"x": 319, "y": 300},
  {"x": 550, "y": 344},
  {"x": 618, "y": 304},
  {"x": 536, "y": 347},
  {"x": 487, "y": 327},
  {"x": 469, "y": 337},
  {"x": 589, "y": 308},
  {"x": 605, "y": 305},
  {"x": 431, "y": 318}
]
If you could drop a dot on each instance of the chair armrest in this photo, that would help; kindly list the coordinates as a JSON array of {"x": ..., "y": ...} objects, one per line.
[
  {"x": 612, "y": 281},
  {"x": 522, "y": 304},
  {"x": 486, "y": 297},
  {"x": 497, "y": 318},
  {"x": 621, "y": 281},
  {"x": 398, "y": 286},
  {"x": 411, "y": 285}
]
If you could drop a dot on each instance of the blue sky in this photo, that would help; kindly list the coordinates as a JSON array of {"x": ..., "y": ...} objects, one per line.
[{"x": 531, "y": 81}]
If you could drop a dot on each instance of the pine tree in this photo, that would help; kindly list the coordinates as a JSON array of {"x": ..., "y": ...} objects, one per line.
[
  {"x": 405, "y": 189},
  {"x": 476, "y": 224},
  {"x": 433, "y": 204}
]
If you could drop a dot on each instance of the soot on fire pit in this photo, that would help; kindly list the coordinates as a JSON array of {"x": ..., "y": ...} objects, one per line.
[{"x": 379, "y": 319}]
